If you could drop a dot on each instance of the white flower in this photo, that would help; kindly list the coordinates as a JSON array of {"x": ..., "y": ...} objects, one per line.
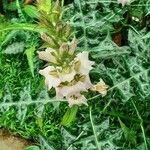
[
  {"x": 47, "y": 55},
  {"x": 66, "y": 90},
  {"x": 50, "y": 80},
  {"x": 101, "y": 87},
  {"x": 76, "y": 99},
  {"x": 124, "y": 2},
  {"x": 85, "y": 63},
  {"x": 67, "y": 76},
  {"x": 54, "y": 76}
]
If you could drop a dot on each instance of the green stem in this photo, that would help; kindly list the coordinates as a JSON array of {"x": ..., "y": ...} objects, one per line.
[
  {"x": 141, "y": 125},
  {"x": 94, "y": 132}
]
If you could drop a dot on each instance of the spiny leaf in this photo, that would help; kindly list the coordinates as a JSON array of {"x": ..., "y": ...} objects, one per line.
[
  {"x": 128, "y": 73},
  {"x": 94, "y": 135},
  {"x": 45, "y": 145},
  {"x": 90, "y": 22},
  {"x": 24, "y": 102},
  {"x": 128, "y": 133}
]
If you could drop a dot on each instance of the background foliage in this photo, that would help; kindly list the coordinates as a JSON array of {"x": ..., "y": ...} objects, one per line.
[{"x": 118, "y": 41}]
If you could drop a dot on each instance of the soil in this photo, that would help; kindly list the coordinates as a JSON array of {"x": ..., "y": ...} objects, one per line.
[
  {"x": 11, "y": 142},
  {"x": 117, "y": 38}
]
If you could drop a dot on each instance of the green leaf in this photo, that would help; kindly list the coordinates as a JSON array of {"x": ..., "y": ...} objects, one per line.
[
  {"x": 11, "y": 6},
  {"x": 129, "y": 134},
  {"x": 30, "y": 57},
  {"x": 94, "y": 134},
  {"x": 31, "y": 11},
  {"x": 69, "y": 116},
  {"x": 91, "y": 20},
  {"x": 45, "y": 145},
  {"x": 108, "y": 49},
  {"x": 23, "y": 26},
  {"x": 32, "y": 148},
  {"x": 25, "y": 100},
  {"x": 16, "y": 47}
]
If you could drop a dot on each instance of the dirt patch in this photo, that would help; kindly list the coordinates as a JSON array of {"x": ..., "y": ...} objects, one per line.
[{"x": 11, "y": 142}]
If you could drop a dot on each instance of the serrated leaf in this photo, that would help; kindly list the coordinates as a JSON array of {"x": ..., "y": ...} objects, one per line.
[
  {"x": 24, "y": 102},
  {"x": 9, "y": 37},
  {"x": 128, "y": 133},
  {"x": 90, "y": 21},
  {"x": 45, "y": 145},
  {"x": 93, "y": 135}
]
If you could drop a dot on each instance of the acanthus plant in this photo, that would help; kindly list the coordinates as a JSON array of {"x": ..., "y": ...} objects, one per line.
[{"x": 67, "y": 71}]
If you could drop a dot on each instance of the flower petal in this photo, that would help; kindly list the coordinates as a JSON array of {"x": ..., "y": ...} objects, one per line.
[
  {"x": 80, "y": 86},
  {"x": 50, "y": 80},
  {"x": 73, "y": 46},
  {"x": 85, "y": 63},
  {"x": 77, "y": 99},
  {"x": 101, "y": 87},
  {"x": 68, "y": 76},
  {"x": 47, "y": 55}
]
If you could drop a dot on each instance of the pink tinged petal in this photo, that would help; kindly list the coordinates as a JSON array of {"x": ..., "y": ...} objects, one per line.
[
  {"x": 73, "y": 46},
  {"x": 64, "y": 48},
  {"x": 86, "y": 64},
  {"x": 50, "y": 80},
  {"x": 47, "y": 55},
  {"x": 77, "y": 99}
]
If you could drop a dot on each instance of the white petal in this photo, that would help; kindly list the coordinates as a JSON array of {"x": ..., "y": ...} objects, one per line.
[
  {"x": 77, "y": 99},
  {"x": 67, "y": 77},
  {"x": 86, "y": 64},
  {"x": 70, "y": 90},
  {"x": 50, "y": 81},
  {"x": 77, "y": 88}
]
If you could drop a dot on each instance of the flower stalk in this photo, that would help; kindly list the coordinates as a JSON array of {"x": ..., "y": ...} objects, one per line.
[{"x": 67, "y": 71}]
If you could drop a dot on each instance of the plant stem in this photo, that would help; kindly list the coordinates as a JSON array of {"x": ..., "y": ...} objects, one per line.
[
  {"x": 141, "y": 125},
  {"x": 98, "y": 145}
]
